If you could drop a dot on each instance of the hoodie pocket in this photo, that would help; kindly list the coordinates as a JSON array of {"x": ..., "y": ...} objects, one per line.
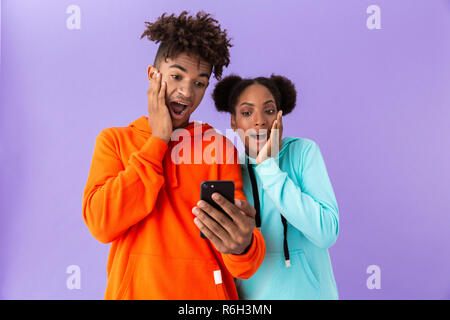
[
  {"x": 126, "y": 277},
  {"x": 298, "y": 281},
  {"x": 275, "y": 281},
  {"x": 307, "y": 268},
  {"x": 160, "y": 277}
]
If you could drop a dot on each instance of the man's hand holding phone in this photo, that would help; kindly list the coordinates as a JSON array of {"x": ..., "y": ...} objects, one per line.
[
  {"x": 229, "y": 234},
  {"x": 158, "y": 114}
]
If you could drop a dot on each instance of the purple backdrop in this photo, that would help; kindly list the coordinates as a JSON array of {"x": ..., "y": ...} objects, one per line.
[{"x": 375, "y": 100}]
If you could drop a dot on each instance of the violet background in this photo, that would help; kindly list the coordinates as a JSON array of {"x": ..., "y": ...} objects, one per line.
[{"x": 377, "y": 102}]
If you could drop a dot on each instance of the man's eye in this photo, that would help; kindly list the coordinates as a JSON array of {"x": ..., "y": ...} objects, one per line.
[{"x": 199, "y": 84}]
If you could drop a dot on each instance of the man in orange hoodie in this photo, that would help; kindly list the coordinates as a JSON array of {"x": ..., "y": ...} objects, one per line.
[{"x": 139, "y": 199}]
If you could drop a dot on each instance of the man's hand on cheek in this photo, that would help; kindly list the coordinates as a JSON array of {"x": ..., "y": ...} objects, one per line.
[
  {"x": 159, "y": 118},
  {"x": 229, "y": 234}
]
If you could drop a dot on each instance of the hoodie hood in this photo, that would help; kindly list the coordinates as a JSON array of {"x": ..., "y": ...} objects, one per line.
[
  {"x": 142, "y": 127},
  {"x": 285, "y": 142},
  {"x": 195, "y": 128}
]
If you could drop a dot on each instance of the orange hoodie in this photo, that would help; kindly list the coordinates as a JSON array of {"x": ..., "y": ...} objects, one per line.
[{"x": 137, "y": 198}]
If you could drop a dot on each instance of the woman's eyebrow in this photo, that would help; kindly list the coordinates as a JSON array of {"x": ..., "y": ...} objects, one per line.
[
  {"x": 268, "y": 101},
  {"x": 247, "y": 104}
]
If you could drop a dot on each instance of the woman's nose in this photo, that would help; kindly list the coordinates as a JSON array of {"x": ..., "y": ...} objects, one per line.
[{"x": 260, "y": 120}]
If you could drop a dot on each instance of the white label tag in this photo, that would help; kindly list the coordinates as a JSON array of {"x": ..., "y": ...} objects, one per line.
[{"x": 217, "y": 277}]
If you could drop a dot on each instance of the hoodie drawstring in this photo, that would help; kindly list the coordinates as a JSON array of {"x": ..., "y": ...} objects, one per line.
[
  {"x": 251, "y": 173},
  {"x": 255, "y": 196}
]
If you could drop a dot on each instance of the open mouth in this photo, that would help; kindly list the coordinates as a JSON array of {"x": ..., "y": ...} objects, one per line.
[
  {"x": 178, "y": 109},
  {"x": 261, "y": 137}
]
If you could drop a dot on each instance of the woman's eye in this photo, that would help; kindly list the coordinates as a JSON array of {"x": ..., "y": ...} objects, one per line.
[
  {"x": 245, "y": 113},
  {"x": 271, "y": 111},
  {"x": 175, "y": 76}
]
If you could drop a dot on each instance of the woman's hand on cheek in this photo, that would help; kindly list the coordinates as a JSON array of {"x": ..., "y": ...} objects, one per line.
[{"x": 276, "y": 133}]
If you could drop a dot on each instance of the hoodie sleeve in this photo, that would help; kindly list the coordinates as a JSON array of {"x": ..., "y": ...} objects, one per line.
[
  {"x": 116, "y": 198},
  {"x": 310, "y": 207},
  {"x": 241, "y": 266}
]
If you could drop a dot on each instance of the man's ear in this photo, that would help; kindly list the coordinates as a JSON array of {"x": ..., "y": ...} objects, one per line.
[{"x": 150, "y": 71}]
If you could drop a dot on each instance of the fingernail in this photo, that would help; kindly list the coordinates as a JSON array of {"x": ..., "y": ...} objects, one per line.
[
  {"x": 216, "y": 196},
  {"x": 194, "y": 211},
  {"x": 201, "y": 204},
  {"x": 238, "y": 202},
  {"x": 196, "y": 221}
]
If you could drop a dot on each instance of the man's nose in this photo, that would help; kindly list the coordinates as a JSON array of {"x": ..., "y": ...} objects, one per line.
[{"x": 185, "y": 89}]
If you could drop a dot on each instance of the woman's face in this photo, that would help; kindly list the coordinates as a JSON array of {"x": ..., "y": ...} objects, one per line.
[{"x": 255, "y": 112}]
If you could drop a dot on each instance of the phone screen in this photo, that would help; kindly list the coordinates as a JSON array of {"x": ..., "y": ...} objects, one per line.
[{"x": 225, "y": 188}]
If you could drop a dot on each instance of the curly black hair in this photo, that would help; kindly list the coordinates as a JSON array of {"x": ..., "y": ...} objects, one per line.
[
  {"x": 228, "y": 90},
  {"x": 200, "y": 35}
]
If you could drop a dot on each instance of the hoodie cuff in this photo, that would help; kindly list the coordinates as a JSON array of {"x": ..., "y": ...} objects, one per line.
[
  {"x": 153, "y": 149},
  {"x": 249, "y": 255},
  {"x": 243, "y": 266},
  {"x": 269, "y": 172}
]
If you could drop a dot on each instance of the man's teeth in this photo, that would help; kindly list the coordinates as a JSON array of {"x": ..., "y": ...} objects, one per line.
[{"x": 179, "y": 107}]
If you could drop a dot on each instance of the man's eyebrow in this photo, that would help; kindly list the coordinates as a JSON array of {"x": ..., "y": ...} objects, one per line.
[
  {"x": 177, "y": 66},
  {"x": 206, "y": 75}
]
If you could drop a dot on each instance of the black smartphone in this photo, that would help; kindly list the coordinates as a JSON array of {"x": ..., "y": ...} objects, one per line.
[{"x": 224, "y": 187}]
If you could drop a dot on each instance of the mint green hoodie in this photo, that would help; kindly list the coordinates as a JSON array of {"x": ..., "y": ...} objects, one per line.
[{"x": 296, "y": 185}]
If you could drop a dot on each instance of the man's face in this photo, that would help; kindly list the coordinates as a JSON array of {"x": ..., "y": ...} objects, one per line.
[{"x": 187, "y": 80}]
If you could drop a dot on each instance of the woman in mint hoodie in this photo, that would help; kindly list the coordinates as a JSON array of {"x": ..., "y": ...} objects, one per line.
[{"x": 290, "y": 190}]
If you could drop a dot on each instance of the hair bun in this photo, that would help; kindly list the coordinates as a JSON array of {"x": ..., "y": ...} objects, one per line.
[
  {"x": 222, "y": 92},
  {"x": 287, "y": 91}
]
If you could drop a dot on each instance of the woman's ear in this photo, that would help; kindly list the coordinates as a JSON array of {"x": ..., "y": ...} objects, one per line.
[{"x": 233, "y": 122}]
